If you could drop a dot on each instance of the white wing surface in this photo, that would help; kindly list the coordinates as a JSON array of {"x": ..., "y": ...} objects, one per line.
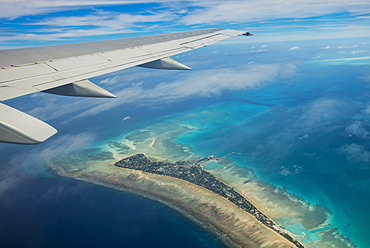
[{"x": 65, "y": 70}]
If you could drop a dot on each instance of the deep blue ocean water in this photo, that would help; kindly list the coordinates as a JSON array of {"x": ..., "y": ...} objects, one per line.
[{"x": 56, "y": 212}]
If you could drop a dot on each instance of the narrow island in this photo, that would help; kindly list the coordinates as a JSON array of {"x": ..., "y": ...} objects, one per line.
[
  {"x": 234, "y": 226},
  {"x": 225, "y": 198},
  {"x": 193, "y": 172}
]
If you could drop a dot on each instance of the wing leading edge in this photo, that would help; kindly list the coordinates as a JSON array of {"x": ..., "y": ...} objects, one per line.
[{"x": 65, "y": 70}]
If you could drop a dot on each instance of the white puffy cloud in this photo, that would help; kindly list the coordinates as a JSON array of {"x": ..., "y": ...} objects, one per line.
[
  {"x": 177, "y": 15},
  {"x": 255, "y": 10},
  {"x": 17, "y": 8},
  {"x": 205, "y": 83},
  {"x": 213, "y": 11},
  {"x": 108, "y": 20},
  {"x": 97, "y": 23},
  {"x": 202, "y": 83}
]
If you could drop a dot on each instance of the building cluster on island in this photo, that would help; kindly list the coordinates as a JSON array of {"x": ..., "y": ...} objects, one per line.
[{"x": 193, "y": 172}]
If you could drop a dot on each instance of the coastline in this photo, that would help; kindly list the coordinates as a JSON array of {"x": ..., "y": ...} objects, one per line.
[
  {"x": 234, "y": 226},
  {"x": 193, "y": 172},
  {"x": 309, "y": 223},
  {"x": 162, "y": 141}
]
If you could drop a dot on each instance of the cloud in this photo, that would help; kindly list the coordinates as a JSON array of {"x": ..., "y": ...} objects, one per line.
[
  {"x": 357, "y": 128},
  {"x": 296, "y": 127},
  {"x": 303, "y": 137},
  {"x": 254, "y": 10},
  {"x": 295, "y": 169},
  {"x": 367, "y": 108},
  {"x": 356, "y": 154},
  {"x": 97, "y": 23},
  {"x": 25, "y": 164},
  {"x": 199, "y": 12},
  {"x": 16, "y": 8},
  {"x": 294, "y": 48},
  {"x": 8, "y": 182},
  {"x": 201, "y": 83},
  {"x": 107, "y": 20},
  {"x": 319, "y": 113},
  {"x": 172, "y": 16},
  {"x": 205, "y": 83},
  {"x": 284, "y": 171},
  {"x": 48, "y": 107},
  {"x": 62, "y": 145},
  {"x": 126, "y": 118},
  {"x": 110, "y": 80},
  {"x": 353, "y": 46}
]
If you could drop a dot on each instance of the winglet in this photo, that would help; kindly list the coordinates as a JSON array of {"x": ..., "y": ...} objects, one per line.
[{"x": 20, "y": 128}]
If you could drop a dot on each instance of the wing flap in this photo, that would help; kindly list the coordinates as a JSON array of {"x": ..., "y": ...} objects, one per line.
[
  {"x": 123, "y": 54},
  {"x": 20, "y": 128},
  {"x": 7, "y": 92},
  {"x": 77, "y": 62},
  {"x": 165, "y": 47},
  {"x": 11, "y": 74}
]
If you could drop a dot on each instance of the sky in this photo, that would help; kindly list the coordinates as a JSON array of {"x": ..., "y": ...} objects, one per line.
[{"x": 27, "y": 23}]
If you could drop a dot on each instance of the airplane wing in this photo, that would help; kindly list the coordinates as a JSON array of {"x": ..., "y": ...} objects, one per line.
[{"x": 65, "y": 70}]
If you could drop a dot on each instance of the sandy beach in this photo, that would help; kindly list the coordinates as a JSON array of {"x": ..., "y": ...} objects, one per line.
[
  {"x": 233, "y": 226},
  {"x": 308, "y": 223}
]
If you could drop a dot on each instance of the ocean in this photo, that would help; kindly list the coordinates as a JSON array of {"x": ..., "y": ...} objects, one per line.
[
  {"x": 49, "y": 211},
  {"x": 313, "y": 141},
  {"x": 305, "y": 131}
]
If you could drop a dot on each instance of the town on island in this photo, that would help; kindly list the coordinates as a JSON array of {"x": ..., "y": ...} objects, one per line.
[{"x": 193, "y": 172}]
